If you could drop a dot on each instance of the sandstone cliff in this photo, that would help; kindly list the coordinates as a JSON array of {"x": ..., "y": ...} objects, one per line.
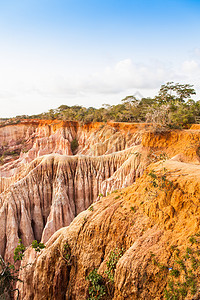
[
  {"x": 54, "y": 190},
  {"x": 46, "y": 192},
  {"x": 143, "y": 219},
  {"x": 21, "y": 143},
  {"x": 45, "y": 183}
]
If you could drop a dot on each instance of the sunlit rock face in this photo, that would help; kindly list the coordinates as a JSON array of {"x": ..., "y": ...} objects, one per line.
[
  {"x": 49, "y": 182},
  {"x": 53, "y": 170},
  {"x": 147, "y": 222}
]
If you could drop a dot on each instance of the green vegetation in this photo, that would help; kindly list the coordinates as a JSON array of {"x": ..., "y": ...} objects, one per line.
[
  {"x": 9, "y": 272},
  {"x": 74, "y": 145},
  {"x": 115, "y": 191},
  {"x": 67, "y": 253},
  {"x": 37, "y": 246},
  {"x": 91, "y": 208},
  {"x": 8, "y": 277},
  {"x": 111, "y": 264},
  {"x": 183, "y": 281},
  {"x": 97, "y": 287},
  {"x": 159, "y": 179},
  {"x": 133, "y": 209},
  {"x": 85, "y": 220},
  {"x": 100, "y": 286},
  {"x": 183, "y": 272},
  {"x": 19, "y": 251},
  {"x": 171, "y": 108}
]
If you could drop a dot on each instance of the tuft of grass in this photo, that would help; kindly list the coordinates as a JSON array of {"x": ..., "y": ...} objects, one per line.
[
  {"x": 91, "y": 208},
  {"x": 133, "y": 209}
]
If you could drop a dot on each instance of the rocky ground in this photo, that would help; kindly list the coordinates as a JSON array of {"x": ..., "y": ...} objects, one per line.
[{"x": 121, "y": 189}]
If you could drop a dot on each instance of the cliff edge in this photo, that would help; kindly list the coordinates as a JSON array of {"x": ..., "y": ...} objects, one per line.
[{"x": 122, "y": 190}]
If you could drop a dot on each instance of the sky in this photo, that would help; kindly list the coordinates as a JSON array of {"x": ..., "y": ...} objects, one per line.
[{"x": 91, "y": 52}]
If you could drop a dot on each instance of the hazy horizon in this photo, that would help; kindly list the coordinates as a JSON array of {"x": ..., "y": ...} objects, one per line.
[{"x": 94, "y": 52}]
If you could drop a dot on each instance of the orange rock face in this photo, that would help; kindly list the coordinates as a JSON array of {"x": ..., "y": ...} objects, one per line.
[
  {"x": 21, "y": 143},
  {"x": 62, "y": 168},
  {"x": 142, "y": 219},
  {"x": 46, "y": 187}
]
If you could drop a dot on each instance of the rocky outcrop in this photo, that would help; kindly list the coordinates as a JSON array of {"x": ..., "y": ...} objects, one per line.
[
  {"x": 52, "y": 171},
  {"x": 145, "y": 219},
  {"x": 109, "y": 137},
  {"x": 47, "y": 186},
  {"x": 52, "y": 191},
  {"x": 21, "y": 143},
  {"x": 42, "y": 193},
  {"x": 182, "y": 145}
]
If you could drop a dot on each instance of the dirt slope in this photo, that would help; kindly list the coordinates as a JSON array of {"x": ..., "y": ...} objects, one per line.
[{"x": 143, "y": 219}]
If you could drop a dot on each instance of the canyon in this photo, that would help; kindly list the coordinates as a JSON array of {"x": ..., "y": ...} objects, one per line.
[
  {"x": 46, "y": 186},
  {"x": 96, "y": 187}
]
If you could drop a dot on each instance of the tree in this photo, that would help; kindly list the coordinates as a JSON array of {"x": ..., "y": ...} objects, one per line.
[{"x": 175, "y": 93}]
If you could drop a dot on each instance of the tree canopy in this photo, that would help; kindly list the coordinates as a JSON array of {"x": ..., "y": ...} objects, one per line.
[{"x": 173, "y": 106}]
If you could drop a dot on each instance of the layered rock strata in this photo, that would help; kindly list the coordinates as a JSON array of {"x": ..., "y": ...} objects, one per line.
[
  {"x": 51, "y": 194},
  {"x": 42, "y": 193},
  {"x": 20, "y": 144},
  {"x": 145, "y": 220}
]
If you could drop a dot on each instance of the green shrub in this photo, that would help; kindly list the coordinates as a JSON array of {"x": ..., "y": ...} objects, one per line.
[
  {"x": 100, "y": 286},
  {"x": 97, "y": 287},
  {"x": 91, "y": 208},
  {"x": 37, "y": 246},
  {"x": 114, "y": 257},
  {"x": 67, "y": 253},
  {"x": 8, "y": 278},
  {"x": 183, "y": 275},
  {"x": 74, "y": 145},
  {"x": 9, "y": 272},
  {"x": 133, "y": 209},
  {"x": 19, "y": 251}
]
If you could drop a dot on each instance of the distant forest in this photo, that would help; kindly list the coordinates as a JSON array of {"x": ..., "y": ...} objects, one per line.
[{"x": 173, "y": 107}]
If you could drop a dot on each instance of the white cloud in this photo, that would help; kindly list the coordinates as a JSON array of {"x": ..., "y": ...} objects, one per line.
[
  {"x": 33, "y": 87},
  {"x": 197, "y": 51},
  {"x": 190, "y": 66},
  {"x": 112, "y": 79},
  {"x": 124, "y": 75}
]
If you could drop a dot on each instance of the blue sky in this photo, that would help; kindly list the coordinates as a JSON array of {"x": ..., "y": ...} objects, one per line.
[{"x": 91, "y": 52}]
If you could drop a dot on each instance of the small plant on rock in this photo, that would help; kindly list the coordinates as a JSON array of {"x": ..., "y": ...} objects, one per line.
[
  {"x": 133, "y": 209},
  {"x": 74, "y": 145},
  {"x": 159, "y": 179},
  {"x": 37, "y": 246},
  {"x": 85, "y": 220},
  {"x": 100, "y": 286},
  {"x": 184, "y": 272},
  {"x": 91, "y": 208},
  {"x": 114, "y": 257},
  {"x": 97, "y": 287},
  {"x": 8, "y": 278},
  {"x": 19, "y": 251},
  {"x": 9, "y": 272},
  {"x": 67, "y": 253}
]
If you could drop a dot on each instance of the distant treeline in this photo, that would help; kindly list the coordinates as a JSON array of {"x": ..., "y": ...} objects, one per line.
[{"x": 172, "y": 108}]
